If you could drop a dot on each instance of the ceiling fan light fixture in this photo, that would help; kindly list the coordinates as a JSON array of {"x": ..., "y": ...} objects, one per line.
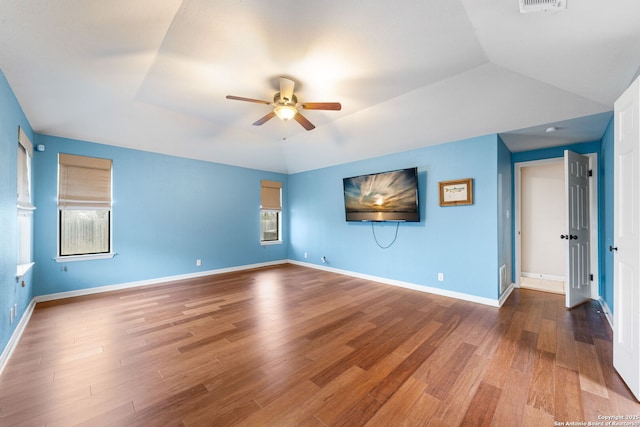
[
  {"x": 285, "y": 112},
  {"x": 285, "y": 105}
]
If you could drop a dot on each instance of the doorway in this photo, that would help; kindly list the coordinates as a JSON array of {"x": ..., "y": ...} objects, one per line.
[
  {"x": 539, "y": 215},
  {"x": 542, "y": 217}
]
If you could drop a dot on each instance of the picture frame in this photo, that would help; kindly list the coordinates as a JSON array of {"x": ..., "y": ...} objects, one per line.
[{"x": 456, "y": 192}]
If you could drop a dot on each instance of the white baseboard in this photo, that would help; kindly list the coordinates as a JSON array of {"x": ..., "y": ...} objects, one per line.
[
  {"x": 607, "y": 311},
  {"x": 407, "y": 285},
  {"x": 15, "y": 337},
  {"x": 159, "y": 280},
  {"x": 505, "y": 295},
  {"x": 544, "y": 276}
]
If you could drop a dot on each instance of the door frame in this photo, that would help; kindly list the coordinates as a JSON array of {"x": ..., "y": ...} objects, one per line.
[{"x": 593, "y": 217}]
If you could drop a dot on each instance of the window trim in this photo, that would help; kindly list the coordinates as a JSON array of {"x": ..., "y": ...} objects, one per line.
[
  {"x": 271, "y": 201},
  {"x": 277, "y": 241},
  {"x": 88, "y": 205},
  {"x": 25, "y": 207},
  {"x": 23, "y": 268},
  {"x": 87, "y": 256}
]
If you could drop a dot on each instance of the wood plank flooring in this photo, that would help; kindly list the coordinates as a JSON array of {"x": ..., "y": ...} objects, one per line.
[{"x": 294, "y": 346}]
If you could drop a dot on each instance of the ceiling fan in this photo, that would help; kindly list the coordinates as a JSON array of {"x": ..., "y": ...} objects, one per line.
[{"x": 285, "y": 105}]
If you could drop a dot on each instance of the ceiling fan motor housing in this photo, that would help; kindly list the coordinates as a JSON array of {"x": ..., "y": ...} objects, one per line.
[{"x": 278, "y": 100}]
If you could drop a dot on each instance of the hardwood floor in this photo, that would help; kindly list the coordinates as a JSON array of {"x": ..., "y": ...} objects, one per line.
[{"x": 293, "y": 346}]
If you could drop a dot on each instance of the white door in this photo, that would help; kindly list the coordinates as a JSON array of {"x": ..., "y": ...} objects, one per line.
[
  {"x": 626, "y": 295},
  {"x": 576, "y": 173}
]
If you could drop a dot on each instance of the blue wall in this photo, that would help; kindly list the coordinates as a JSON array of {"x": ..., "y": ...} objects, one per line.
[
  {"x": 460, "y": 242},
  {"x": 167, "y": 212},
  {"x": 606, "y": 216},
  {"x": 11, "y": 292},
  {"x": 555, "y": 152}
]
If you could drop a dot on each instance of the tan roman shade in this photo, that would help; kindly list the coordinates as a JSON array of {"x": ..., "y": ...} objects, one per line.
[
  {"x": 85, "y": 182},
  {"x": 270, "y": 195}
]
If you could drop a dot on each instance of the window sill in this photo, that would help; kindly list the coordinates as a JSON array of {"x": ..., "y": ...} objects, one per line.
[
  {"x": 74, "y": 258},
  {"x": 23, "y": 269},
  {"x": 26, "y": 208},
  {"x": 271, "y": 242}
]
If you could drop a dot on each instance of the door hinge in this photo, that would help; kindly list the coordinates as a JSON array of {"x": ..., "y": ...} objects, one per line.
[
  {"x": 591, "y": 277},
  {"x": 590, "y": 172}
]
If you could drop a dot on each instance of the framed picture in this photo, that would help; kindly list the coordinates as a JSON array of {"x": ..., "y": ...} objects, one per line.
[{"x": 456, "y": 192}]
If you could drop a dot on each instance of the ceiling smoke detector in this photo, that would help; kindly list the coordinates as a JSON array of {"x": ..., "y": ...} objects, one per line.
[{"x": 527, "y": 6}]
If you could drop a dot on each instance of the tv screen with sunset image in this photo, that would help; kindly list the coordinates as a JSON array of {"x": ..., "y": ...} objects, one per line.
[{"x": 384, "y": 196}]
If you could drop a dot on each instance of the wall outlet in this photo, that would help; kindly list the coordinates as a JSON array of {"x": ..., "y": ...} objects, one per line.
[
  {"x": 198, "y": 262},
  {"x": 306, "y": 255},
  {"x": 440, "y": 277}
]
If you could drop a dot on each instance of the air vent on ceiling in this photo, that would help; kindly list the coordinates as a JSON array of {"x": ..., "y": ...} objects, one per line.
[{"x": 527, "y": 6}]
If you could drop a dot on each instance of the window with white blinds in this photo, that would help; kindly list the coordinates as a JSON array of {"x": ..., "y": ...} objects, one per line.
[{"x": 84, "y": 205}]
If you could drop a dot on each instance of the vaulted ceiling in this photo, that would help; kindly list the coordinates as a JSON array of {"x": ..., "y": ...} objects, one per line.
[{"x": 153, "y": 74}]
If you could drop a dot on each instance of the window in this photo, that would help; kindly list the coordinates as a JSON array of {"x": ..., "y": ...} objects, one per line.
[
  {"x": 84, "y": 207},
  {"x": 25, "y": 206},
  {"x": 270, "y": 212},
  {"x": 269, "y": 226}
]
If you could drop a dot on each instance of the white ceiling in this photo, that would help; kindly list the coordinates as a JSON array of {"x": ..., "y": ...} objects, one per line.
[{"x": 153, "y": 74}]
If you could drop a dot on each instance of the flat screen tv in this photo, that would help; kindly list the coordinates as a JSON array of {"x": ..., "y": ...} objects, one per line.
[{"x": 383, "y": 196}]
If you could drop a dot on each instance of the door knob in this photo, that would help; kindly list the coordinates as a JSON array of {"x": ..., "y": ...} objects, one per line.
[{"x": 569, "y": 237}]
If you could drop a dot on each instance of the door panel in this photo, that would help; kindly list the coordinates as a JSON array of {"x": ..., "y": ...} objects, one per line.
[
  {"x": 625, "y": 331},
  {"x": 578, "y": 237},
  {"x": 626, "y": 245}
]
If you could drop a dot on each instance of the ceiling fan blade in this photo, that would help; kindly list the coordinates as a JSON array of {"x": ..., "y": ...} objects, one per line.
[
  {"x": 303, "y": 121},
  {"x": 240, "y": 98},
  {"x": 321, "y": 106},
  {"x": 264, "y": 119},
  {"x": 286, "y": 88}
]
